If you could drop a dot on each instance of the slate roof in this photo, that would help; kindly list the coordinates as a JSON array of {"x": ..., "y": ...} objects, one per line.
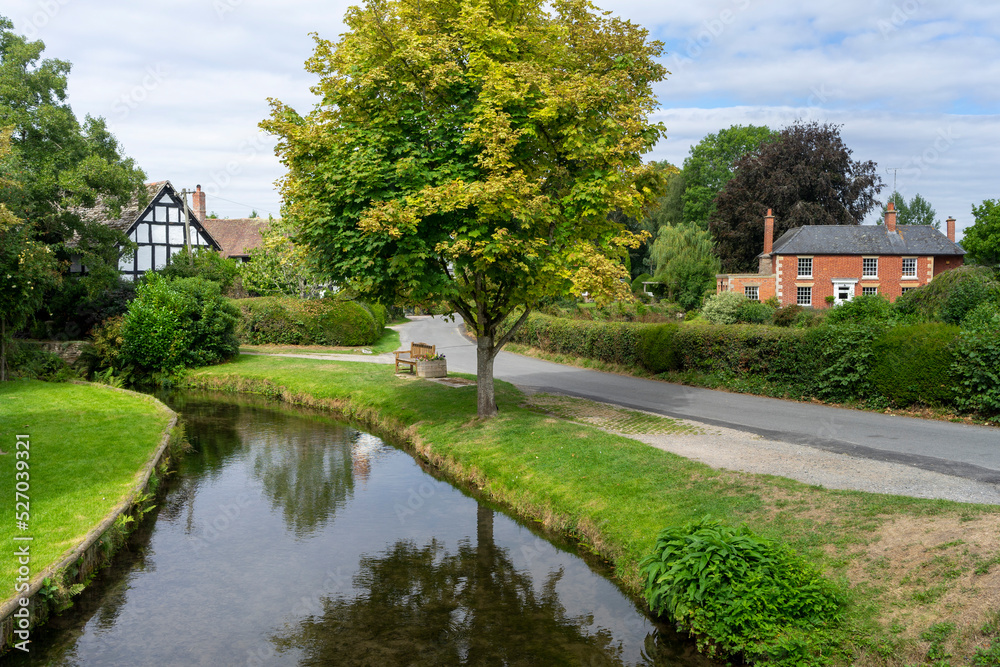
[
  {"x": 865, "y": 240},
  {"x": 236, "y": 236}
]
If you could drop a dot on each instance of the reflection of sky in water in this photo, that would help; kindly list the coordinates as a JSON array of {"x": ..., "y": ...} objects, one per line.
[{"x": 278, "y": 526}]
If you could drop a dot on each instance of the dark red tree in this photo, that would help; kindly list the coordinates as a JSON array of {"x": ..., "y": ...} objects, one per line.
[{"x": 807, "y": 176}]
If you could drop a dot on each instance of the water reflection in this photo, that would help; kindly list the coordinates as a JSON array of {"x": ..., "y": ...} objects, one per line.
[{"x": 289, "y": 538}]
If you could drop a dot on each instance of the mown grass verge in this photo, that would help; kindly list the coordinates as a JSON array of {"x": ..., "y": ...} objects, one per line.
[
  {"x": 88, "y": 447},
  {"x": 389, "y": 342},
  {"x": 904, "y": 565}
]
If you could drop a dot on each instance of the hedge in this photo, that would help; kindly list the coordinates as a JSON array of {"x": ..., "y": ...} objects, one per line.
[
  {"x": 913, "y": 364},
  {"x": 280, "y": 320},
  {"x": 612, "y": 342}
]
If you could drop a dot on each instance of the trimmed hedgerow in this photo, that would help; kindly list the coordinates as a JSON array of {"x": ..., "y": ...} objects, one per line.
[
  {"x": 740, "y": 349},
  {"x": 658, "y": 347},
  {"x": 843, "y": 357},
  {"x": 914, "y": 364},
  {"x": 612, "y": 342},
  {"x": 289, "y": 321},
  {"x": 976, "y": 369}
]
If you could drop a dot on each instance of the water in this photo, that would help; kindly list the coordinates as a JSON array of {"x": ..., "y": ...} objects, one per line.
[{"x": 289, "y": 538}]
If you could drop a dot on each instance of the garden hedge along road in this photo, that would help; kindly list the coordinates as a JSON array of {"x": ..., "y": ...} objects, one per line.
[{"x": 960, "y": 450}]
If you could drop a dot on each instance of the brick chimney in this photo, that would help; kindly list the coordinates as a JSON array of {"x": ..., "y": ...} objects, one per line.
[
  {"x": 198, "y": 201},
  {"x": 890, "y": 218},
  {"x": 951, "y": 228},
  {"x": 764, "y": 265}
]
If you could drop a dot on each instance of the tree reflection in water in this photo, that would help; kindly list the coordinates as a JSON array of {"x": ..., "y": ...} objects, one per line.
[{"x": 428, "y": 606}]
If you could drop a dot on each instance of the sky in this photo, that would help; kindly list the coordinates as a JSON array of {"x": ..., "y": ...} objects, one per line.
[{"x": 914, "y": 84}]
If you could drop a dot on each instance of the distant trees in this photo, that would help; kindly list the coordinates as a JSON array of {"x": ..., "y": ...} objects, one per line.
[
  {"x": 806, "y": 175},
  {"x": 685, "y": 263},
  {"x": 982, "y": 239},
  {"x": 918, "y": 211}
]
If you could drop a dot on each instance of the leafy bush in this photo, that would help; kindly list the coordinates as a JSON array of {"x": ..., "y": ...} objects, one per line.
[
  {"x": 976, "y": 369},
  {"x": 737, "y": 349},
  {"x": 612, "y": 342},
  {"x": 863, "y": 308},
  {"x": 986, "y": 314},
  {"x": 291, "y": 321},
  {"x": 913, "y": 364},
  {"x": 785, "y": 317},
  {"x": 28, "y": 360},
  {"x": 844, "y": 358},
  {"x": 739, "y": 593},
  {"x": 637, "y": 284},
  {"x": 754, "y": 312},
  {"x": 203, "y": 263},
  {"x": 657, "y": 348},
  {"x": 174, "y": 324},
  {"x": 929, "y": 302},
  {"x": 723, "y": 308},
  {"x": 966, "y": 296},
  {"x": 73, "y": 311}
]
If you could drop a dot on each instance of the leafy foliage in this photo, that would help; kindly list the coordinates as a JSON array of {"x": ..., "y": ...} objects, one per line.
[
  {"x": 739, "y": 593},
  {"x": 684, "y": 262},
  {"x": 658, "y": 348},
  {"x": 844, "y": 356},
  {"x": 471, "y": 153},
  {"x": 712, "y": 164},
  {"x": 280, "y": 267},
  {"x": 982, "y": 240},
  {"x": 918, "y": 211},
  {"x": 723, "y": 308},
  {"x": 612, "y": 342},
  {"x": 291, "y": 321},
  {"x": 785, "y": 316},
  {"x": 977, "y": 368},
  {"x": 176, "y": 324},
  {"x": 754, "y": 312},
  {"x": 806, "y": 175},
  {"x": 913, "y": 364},
  {"x": 203, "y": 263},
  {"x": 947, "y": 293},
  {"x": 862, "y": 308}
]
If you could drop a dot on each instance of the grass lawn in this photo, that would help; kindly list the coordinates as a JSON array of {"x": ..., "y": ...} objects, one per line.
[
  {"x": 387, "y": 343},
  {"x": 88, "y": 444},
  {"x": 906, "y": 565}
]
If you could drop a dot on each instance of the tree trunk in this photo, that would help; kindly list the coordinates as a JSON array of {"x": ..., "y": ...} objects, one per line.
[{"x": 486, "y": 400}]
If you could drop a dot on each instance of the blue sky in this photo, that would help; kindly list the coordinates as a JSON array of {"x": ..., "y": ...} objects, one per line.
[{"x": 915, "y": 84}]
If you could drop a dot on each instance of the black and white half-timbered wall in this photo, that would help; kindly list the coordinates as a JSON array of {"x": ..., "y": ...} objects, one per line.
[{"x": 158, "y": 230}]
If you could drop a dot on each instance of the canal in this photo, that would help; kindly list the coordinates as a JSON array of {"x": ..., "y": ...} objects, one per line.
[{"x": 287, "y": 537}]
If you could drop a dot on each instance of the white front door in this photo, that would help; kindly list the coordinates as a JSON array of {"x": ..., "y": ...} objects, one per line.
[{"x": 842, "y": 291}]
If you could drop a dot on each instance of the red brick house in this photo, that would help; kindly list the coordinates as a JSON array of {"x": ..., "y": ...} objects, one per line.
[{"x": 810, "y": 264}]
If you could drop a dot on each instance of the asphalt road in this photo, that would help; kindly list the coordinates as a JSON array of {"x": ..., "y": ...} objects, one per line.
[{"x": 971, "y": 452}]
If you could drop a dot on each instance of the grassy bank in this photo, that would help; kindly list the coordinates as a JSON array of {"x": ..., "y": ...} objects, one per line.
[
  {"x": 88, "y": 446},
  {"x": 918, "y": 575},
  {"x": 387, "y": 343}
]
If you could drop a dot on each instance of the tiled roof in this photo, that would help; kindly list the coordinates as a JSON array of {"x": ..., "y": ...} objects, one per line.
[
  {"x": 865, "y": 240},
  {"x": 99, "y": 211},
  {"x": 237, "y": 236}
]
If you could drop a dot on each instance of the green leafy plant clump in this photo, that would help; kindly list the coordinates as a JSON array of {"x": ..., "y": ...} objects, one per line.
[
  {"x": 291, "y": 321},
  {"x": 723, "y": 308},
  {"x": 739, "y": 593}
]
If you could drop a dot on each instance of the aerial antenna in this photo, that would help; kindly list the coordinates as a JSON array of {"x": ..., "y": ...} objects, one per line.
[{"x": 893, "y": 170}]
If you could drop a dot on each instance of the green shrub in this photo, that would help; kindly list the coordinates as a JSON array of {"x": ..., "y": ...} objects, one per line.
[
  {"x": 785, "y": 317},
  {"x": 657, "y": 349},
  {"x": 913, "y": 364},
  {"x": 863, "y": 308},
  {"x": 637, "y": 284},
  {"x": 986, "y": 314},
  {"x": 174, "y": 324},
  {"x": 844, "y": 358},
  {"x": 203, "y": 263},
  {"x": 278, "y": 320},
  {"x": 723, "y": 308},
  {"x": 739, "y": 593},
  {"x": 976, "y": 370},
  {"x": 929, "y": 302},
  {"x": 736, "y": 349},
  {"x": 612, "y": 342},
  {"x": 754, "y": 312},
  {"x": 966, "y": 296}
]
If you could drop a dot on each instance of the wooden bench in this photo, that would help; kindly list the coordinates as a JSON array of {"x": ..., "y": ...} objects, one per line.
[{"x": 416, "y": 352}]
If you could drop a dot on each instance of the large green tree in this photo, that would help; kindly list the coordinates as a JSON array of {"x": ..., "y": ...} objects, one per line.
[
  {"x": 806, "y": 175},
  {"x": 982, "y": 240},
  {"x": 918, "y": 211},
  {"x": 685, "y": 263},
  {"x": 58, "y": 163},
  {"x": 469, "y": 152},
  {"x": 712, "y": 164}
]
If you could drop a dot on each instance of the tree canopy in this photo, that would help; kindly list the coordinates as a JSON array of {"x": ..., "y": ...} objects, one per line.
[
  {"x": 918, "y": 211},
  {"x": 685, "y": 263},
  {"x": 469, "y": 153},
  {"x": 806, "y": 175},
  {"x": 56, "y": 163},
  {"x": 982, "y": 240}
]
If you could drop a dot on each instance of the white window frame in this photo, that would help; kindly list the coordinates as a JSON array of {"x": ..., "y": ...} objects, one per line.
[
  {"x": 864, "y": 267},
  {"x": 913, "y": 274},
  {"x": 869, "y": 291},
  {"x": 805, "y": 275},
  {"x": 799, "y": 292},
  {"x": 754, "y": 289}
]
